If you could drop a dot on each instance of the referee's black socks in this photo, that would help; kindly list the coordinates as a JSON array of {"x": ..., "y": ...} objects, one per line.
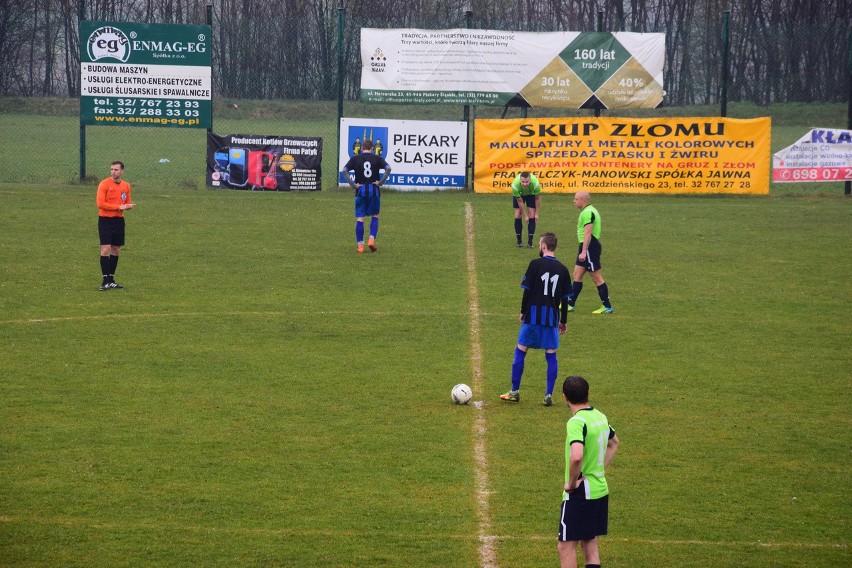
[{"x": 105, "y": 263}]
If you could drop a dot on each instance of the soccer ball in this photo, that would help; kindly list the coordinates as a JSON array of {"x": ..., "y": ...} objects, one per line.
[{"x": 462, "y": 394}]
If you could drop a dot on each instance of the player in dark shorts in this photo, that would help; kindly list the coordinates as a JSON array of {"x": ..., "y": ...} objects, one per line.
[
  {"x": 544, "y": 315},
  {"x": 589, "y": 253},
  {"x": 113, "y": 200},
  {"x": 526, "y": 201},
  {"x": 366, "y": 183},
  {"x": 590, "y": 445}
]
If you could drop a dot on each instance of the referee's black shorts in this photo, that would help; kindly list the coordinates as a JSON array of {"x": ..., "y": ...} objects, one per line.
[
  {"x": 111, "y": 231},
  {"x": 593, "y": 256}
]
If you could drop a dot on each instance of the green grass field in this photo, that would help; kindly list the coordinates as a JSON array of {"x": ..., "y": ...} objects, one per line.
[{"x": 260, "y": 395}]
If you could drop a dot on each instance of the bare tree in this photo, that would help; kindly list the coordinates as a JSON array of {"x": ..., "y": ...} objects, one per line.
[{"x": 781, "y": 50}]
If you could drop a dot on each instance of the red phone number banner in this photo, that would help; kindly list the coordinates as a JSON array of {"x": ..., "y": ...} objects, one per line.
[{"x": 622, "y": 155}]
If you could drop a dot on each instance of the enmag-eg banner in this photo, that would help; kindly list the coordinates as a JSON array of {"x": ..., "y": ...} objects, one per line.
[{"x": 145, "y": 74}]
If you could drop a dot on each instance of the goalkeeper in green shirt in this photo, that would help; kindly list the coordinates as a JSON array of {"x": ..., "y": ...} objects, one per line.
[
  {"x": 526, "y": 200},
  {"x": 590, "y": 445}
]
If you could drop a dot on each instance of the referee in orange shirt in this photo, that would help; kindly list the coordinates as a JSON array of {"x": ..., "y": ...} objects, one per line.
[{"x": 113, "y": 200}]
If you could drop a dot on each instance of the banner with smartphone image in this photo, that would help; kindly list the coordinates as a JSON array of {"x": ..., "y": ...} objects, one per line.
[{"x": 264, "y": 163}]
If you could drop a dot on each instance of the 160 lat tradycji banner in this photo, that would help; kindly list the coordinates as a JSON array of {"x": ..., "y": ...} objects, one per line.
[
  {"x": 529, "y": 69},
  {"x": 621, "y": 155}
]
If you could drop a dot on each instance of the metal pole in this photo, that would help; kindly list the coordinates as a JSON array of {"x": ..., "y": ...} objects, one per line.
[
  {"x": 210, "y": 23},
  {"x": 81, "y": 16},
  {"x": 468, "y": 23},
  {"x": 341, "y": 19},
  {"x": 847, "y": 190},
  {"x": 726, "y": 49},
  {"x": 472, "y": 150},
  {"x": 471, "y": 124},
  {"x": 598, "y": 28}
]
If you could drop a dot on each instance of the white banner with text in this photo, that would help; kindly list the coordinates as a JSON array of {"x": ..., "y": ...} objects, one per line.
[{"x": 422, "y": 154}]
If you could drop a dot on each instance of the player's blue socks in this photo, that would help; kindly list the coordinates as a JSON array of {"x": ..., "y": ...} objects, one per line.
[
  {"x": 576, "y": 288},
  {"x": 603, "y": 292},
  {"x": 374, "y": 227},
  {"x": 518, "y": 369},
  {"x": 519, "y": 227},
  {"x": 359, "y": 231},
  {"x": 552, "y": 371}
]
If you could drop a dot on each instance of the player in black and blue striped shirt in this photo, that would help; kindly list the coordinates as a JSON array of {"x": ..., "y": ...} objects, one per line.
[
  {"x": 366, "y": 183},
  {"x": 544, "y": 315}
]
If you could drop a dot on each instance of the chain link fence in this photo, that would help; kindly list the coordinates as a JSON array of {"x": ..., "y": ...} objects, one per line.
[{"x": 276, "y": 71}]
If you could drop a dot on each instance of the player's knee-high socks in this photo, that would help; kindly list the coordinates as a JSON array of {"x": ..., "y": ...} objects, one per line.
[
  {"x": 576, "y": 288},
  {"x": 105, "y": 264},
  {"x": 552, "y": 371},
  {"x": 359, "y": 231},
  {"x": 519, "y": 227},
  {"x": 518, "y": 368},
  {"x": 603, "y": 292},
  {"x": 531, "y": 230},
  {"x": 113, "y": 264},
  {"x": 374, "y": 227}
]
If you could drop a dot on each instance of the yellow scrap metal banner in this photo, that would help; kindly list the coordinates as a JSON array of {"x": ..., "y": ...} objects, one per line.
[{"x": 624, "y": 155}]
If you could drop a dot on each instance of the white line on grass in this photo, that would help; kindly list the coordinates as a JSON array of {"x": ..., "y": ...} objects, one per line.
[
  {"x": 124, "y": 526},
  {"x": 172, "y": 315},
  {"x": 487, "y": 541}
]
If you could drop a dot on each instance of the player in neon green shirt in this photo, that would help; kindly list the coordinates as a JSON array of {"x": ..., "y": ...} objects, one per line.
[
  {"x": 590, "y": 445},
  {"x": 526, "y": 200},
  {"x": 589, "y": 253}
]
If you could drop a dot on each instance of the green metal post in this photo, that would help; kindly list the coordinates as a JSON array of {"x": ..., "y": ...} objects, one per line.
[
  {"x": 468, "y": 23},
  {"x": 341, "y": 19},
  {"x": 848, "y": 185},
  {"x": 726, "y": 49},
  {"x": 81, "y": 16},
  {"x": 210, "y": 23},
  {"x": 598, "y": 28}
]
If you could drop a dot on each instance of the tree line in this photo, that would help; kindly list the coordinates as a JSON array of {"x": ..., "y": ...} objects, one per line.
[{"x": 780, "y": 50}]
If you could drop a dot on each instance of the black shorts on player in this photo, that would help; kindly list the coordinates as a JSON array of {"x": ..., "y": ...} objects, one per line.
[
  {"x": 581, "y": 518},
  {"x": 529, "y": 201},
  {"x": 111, "y": 231},
  {"x": 593, "y": 256}
]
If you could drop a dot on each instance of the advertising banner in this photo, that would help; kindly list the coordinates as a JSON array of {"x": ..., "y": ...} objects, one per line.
[
  {"x": 145, "y": 75},
  {"x": 823, "y": 154},
  {"x": 268, "y": 163},
  {"x": 623, "y": 155},
  {"x": 529, "y": 69},
  {"x": 422, "y": 154}
]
